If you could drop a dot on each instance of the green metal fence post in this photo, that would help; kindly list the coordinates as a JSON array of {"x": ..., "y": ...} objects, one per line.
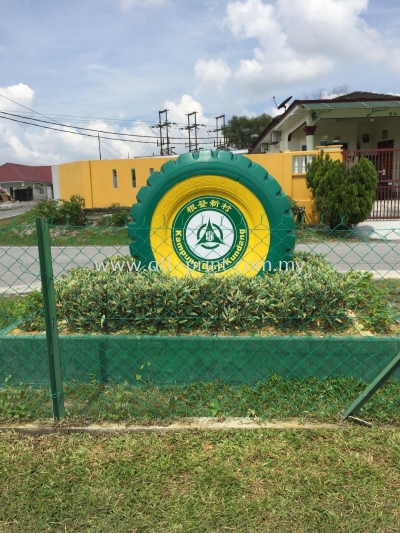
[
  {"x": 50, "y": 314},
  {"x": 371, "y": 389}
]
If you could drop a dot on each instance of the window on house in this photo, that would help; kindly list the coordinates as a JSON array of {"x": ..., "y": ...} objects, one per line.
[
  {"x": 151, "y": 170},
  {"x": 133, "y": 172},
  {"x": 115, "y": 179}
]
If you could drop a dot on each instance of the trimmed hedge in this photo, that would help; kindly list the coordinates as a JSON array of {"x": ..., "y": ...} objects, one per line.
[{"x": 318, "y": 298}]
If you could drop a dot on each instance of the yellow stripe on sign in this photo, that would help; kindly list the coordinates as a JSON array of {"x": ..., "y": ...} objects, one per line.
[{"x": 190, "y": 189}]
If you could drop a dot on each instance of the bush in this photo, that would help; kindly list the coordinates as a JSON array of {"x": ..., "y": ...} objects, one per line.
[
  {"x": 62, "y": 211},
  {"x": 317, "y": 299},
  {"x": 119, "y": 217},
  {"x": 298, "y": 211},
  {"x": 30, "y": 308},
  {"x": 72, "y": 211},
  {"x": 343, "y": 197},
  {"x": 47, "y": 209}
]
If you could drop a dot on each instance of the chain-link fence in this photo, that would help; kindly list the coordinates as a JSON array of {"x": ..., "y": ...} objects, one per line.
[{"x": 133, "y": 344}]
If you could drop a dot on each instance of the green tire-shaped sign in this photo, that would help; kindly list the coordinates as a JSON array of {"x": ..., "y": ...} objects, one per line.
[{"x": 212, "y": 212}]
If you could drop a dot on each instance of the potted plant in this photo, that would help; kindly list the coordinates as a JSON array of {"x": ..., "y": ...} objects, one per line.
[
  {"x": 336, "y": 139},
  {"x": 324, "y": 140}
]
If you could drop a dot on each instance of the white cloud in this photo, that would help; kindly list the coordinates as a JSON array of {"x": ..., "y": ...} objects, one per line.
[
  {"x": 128, "y": 4},
  {"x": 334, "y": 27},
  {"x": 21, "y": 143},
  {"x": 252, "y": 18},
  {"x": 20, "y": 93},
  {"x": 212, "y": 75},
  {"x": 177, "y": 112},
  {"x": 275, "y": 62},
  {"x": 299, "y": 42}
]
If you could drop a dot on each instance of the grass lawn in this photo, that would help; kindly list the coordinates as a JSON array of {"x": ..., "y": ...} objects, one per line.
[
  {"x": 21, "y": 231},
  {"x": 344, "y": 480}
]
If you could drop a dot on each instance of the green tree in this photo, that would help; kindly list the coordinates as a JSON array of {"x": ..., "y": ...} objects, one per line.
[
  {"x": 242, "y": 131},
  {"x": 343, "y": 197}
]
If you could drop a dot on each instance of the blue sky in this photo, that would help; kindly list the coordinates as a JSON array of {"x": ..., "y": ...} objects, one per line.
[{"x": 113, "y": 64}]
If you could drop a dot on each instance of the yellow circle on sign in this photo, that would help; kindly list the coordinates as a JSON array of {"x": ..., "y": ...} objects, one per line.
[{"x": 189, "y": 190}]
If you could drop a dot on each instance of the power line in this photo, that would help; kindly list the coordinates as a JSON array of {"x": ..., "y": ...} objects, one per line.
[
  {"x": 77, "y": 132},
  {"x": 85, "y": 118},
  {"x": 80, "y": 127},
  {"x": 161, "y": 126},
  {"x": 88, "y": 129},
  {"x": 81, "y": 134},
  {"x": 110, "y": 147}
]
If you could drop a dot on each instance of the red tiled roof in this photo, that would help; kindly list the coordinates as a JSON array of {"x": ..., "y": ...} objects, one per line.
[{"x": 12, "y": 172}]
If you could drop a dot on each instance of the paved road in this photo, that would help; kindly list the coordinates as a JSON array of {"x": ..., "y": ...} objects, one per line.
[
  {"x": 13, "y": 212},
  {"x": 19, "y": 266},
  {"x": 373, "y": 256}
]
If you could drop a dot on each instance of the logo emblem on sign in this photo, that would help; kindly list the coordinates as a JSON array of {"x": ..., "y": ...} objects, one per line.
[
  {"x": 209, "y": 233},
  {"x": 210, "y": 236}
]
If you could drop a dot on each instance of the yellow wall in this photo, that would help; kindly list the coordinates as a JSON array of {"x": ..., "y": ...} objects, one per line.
[
  {"x": 94, "y": 179},
  {"x": 281, "y": 167}
]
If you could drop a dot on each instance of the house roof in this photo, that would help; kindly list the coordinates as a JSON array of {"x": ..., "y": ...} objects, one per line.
[
  {"x": 12, "y": 172},
  {"x": 357, "y": 99}
]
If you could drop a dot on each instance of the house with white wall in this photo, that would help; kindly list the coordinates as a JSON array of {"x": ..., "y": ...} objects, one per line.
[
  {"x": 36, "y": 178},
  {"x": 359, "y": 121}
]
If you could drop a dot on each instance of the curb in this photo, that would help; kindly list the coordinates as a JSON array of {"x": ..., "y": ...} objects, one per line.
[{"x": 201, "y": 424}]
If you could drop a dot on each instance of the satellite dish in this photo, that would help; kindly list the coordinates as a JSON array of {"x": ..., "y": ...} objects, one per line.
[{"x": 283, "y": 104}]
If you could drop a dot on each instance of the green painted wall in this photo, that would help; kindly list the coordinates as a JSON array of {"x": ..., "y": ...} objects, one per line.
[{"x": 183, "y": 360}]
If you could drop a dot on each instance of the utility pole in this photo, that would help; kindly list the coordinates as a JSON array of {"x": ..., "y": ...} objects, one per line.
[
  {"x": 164, "y": 124},
  {"x": 220, "y": 142},
  {"x": 98, "y": 136},
  {"x": 193, "y": 146}
]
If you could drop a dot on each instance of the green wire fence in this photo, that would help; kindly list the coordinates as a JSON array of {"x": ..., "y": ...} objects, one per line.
[{"x": 87, "y": 334}]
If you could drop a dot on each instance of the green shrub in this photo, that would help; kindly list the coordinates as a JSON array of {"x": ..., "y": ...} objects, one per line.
[
  {"x": 120, "y": 215},
  {"x": 62, "y": 211},
  {"x": 343, "y": 197},
  {"x": 298, "y": 211},
  {"x": 30, "y": 307},
  {"x": 119, "y": 218},
  {"x": 72, "y": 211},
  {"x": 317, "y": 299},
  {"x": 47, "y": 209}
]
